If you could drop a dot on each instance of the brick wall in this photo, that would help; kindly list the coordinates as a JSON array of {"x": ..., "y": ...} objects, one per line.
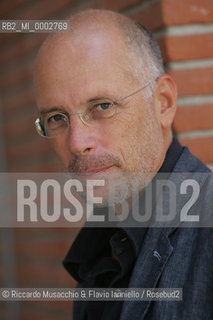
[{"x": 184, "y": 29}]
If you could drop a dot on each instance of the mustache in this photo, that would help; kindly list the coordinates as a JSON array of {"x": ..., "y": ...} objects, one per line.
[{"x": 83, "y": 163}]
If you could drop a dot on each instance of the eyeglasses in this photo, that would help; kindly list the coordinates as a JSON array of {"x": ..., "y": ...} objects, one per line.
[{"x": 55, "y": 123}]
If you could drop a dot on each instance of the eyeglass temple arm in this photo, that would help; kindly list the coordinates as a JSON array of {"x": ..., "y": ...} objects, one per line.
[{"x": 131, "y": 94}]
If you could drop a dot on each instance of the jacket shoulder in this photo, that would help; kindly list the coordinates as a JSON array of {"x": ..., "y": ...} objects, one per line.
[{"x": 189, "y": 163}]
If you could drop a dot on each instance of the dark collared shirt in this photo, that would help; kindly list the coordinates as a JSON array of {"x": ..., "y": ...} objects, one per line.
[{"x": 105, "y": 257}]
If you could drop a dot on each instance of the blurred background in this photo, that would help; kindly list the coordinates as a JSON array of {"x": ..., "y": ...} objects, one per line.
[{"x": 184, "y": 30}]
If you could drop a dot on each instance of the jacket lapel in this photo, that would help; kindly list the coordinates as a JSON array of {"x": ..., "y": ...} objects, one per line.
[
  {"x": 156, "y": 248},
  {"x": 150, "y": 264}
]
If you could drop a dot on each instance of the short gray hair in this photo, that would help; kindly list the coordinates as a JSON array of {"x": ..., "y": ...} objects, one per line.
[{"x": 144, "y": 53}]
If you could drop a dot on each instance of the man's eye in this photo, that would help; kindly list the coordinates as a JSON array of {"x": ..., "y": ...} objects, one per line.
[
  {"x": 103, "y": 106},
  {"x": 56, "y": 121},
  {"x": 56, "y": 118},
  {"x": 102, "y": 110}
]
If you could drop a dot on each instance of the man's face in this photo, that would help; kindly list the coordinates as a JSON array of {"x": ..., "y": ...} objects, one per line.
[{"x": 72, "y": 70}]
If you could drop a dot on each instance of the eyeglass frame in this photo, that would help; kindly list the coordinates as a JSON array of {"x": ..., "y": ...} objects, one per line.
[{"x": 40, "y": 127}]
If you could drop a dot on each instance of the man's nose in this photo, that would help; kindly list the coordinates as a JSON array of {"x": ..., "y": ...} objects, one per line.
[{"x": 82, "y": 139}]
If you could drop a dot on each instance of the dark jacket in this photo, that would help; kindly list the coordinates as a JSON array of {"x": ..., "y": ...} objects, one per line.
[{"x": 184, "y": 260}]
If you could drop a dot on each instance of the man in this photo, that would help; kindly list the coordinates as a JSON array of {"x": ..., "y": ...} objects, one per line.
[{"x": 108, "y": 106}]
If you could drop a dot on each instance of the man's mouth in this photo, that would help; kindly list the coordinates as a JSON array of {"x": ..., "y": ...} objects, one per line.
[
  {"x": 95, "y": 170},
  {"x": 88, "y": 165}
]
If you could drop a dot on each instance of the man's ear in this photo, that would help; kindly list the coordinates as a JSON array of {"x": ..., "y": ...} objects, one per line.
[{"x": 165, "y": 100}]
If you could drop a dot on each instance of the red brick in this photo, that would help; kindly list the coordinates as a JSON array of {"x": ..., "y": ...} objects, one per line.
[
  {"x": 22, "y": 140},
  {"x": 17, "y": 101},
  {"x": 49, "y": 250},
  {"x": 4, "y": 310},
  {"x": 172, "y": 12},
  {"x": 19, "y": 45},
  {"x": 38, "y": 164},
  {"x": 25, "y": 125},
  {"x": 41, "y": 275},
  {"x": 46, "y": 234},
  {"x": 193, "y": 81},
  {"x": 29, "y": 148},
  {"x": 16, "y": 76},
  {"x": 8, "y": 6},
  {"x": 186, "y": 12},
  {"x": 113, "y": 5},
  {"x": 189, "y": 118},
  {"x": 200, "y": 147},
  {"x": 40, "y": 10},
  {"x": 55, "y": 310},
  {"x": 191, "y": 47},
  {"x": 55, "y": 306},
  {"x": 150, "y": 16}
]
